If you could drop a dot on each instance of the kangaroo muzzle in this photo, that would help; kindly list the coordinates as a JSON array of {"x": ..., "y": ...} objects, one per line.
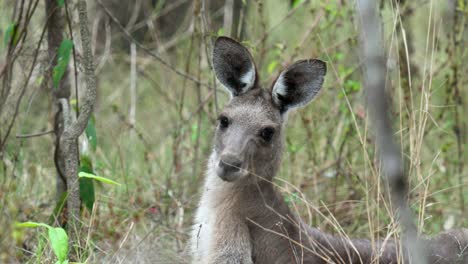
[{"x": 229, "y": 168}]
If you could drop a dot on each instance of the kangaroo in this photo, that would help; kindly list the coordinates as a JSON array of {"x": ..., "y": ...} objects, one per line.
[{"x": 241, "y": 217}]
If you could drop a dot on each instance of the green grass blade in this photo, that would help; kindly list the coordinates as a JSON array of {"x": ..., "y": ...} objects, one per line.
[{"x": 97, "y": 178}]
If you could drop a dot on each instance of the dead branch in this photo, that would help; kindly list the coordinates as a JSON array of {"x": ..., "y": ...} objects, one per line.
[{"x": 38, "y": 134}]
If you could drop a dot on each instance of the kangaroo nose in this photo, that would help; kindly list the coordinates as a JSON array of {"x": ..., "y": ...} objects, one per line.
[{"x": 230, "y": 164}]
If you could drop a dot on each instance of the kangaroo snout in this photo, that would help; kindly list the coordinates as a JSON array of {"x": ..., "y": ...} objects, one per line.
[{"x": 229, "y": 168}]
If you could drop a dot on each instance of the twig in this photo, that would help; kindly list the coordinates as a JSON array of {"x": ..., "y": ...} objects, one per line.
[
  {"x": 392, "y": 165},
  {"x": 107, "y": 47},
  {"x": 13, "y": 53},
  {"x": 138, "y": 132},
  {"x": 288, "y": 15},
  {"x": 129, "y": 37},
  {"x": 133, "y": 76},
  {"x": 261, "y": 46},
  {"x": 197, "y": 26},
  {"x": 306, "y": 36},
  {"x": 10, "y": 112},
  {"x": 173, "y": 5},
  {"x": 205, "y": 27},
  {"x": 75, "y": 67},
  {"x": 176, "y": 164},
  {"x": 38, "y": 134},
  {"x": 228, "y": 17}
]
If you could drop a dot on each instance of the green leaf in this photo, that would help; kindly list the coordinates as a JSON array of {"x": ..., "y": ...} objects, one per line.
[
  {"x": 11, "y": 33},
  {"x": 352, "y": 86},
  {"x": 98, "y": 178},
  {"x": 291, "y": 198},
  {"x": 339, "y": 56},
  {"x": 63, "y": 59},
  {"x": 87, "y": 194},
  {"x": 32, "y": 224},
  {"x": 57, "y": 236},
  {"x": 60, "y": 3},
  {"x": 91, "y": 133},
  {"x": 59, "y": 242},
  {"x": 194, "y": 133},
  {"x": 272, "y": 66},
  {"x": 461, "y": 5},
  {"x": 295, "y": 3}
]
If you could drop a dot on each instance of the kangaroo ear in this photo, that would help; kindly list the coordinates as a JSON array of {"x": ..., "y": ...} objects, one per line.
[
  {"x": 298, "y": 84},
  {"x": 233, "y": 66}
]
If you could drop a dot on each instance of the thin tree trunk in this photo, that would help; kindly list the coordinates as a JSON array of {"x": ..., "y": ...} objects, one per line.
[
  {"x": 232, "y": 18},
  {"x": 73, "y": 129},
  {"x": 455, "y": 94},
  {"x": 372, "y": 49},
  {"x": 55, "y": 31}
]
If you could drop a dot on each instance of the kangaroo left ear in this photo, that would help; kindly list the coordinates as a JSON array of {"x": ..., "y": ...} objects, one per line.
[
  {"x": 233, "y": 66},
  {"x": 298, "y": 84}
]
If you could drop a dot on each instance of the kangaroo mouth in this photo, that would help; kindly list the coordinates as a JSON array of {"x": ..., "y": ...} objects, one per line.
[{"x": 229, "y": 172}]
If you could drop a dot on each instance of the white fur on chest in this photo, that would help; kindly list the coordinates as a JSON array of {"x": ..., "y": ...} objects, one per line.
[{"x": 205, "y": 217}]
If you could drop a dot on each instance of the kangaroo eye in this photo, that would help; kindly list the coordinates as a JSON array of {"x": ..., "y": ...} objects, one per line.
[
  {"x": 267, "y": 133},
  {"x": 223, "y": 122}
]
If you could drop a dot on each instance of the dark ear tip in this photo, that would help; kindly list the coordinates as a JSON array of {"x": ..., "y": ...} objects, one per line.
[
  {"x": 323, "y": 65},
  {"x": 319, "y": 65},
  {"x": 221, "y": 39},
  {"x": 313, "y": 64}
]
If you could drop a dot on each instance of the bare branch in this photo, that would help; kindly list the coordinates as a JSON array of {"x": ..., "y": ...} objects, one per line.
[
  {"x": 133, "y": 77},
  {"x": 10, "y": 100},
  {"x": 38, "y": 134},
  {"x": 129, "y": 37}
]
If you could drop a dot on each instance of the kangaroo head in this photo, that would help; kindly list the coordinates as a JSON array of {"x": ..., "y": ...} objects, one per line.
[{"x": 249, "y": 134}]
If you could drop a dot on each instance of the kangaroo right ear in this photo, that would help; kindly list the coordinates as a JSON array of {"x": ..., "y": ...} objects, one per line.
[
  {"x": 234, "y": 66},
  {"x": 298, "y": 84}
]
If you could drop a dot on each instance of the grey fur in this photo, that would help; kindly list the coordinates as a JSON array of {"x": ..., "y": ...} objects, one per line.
[{"x": 242, "y": 218}]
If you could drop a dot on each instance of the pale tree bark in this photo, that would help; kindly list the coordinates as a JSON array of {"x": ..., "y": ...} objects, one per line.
[
  {"x": 72, "y": 129},
  {"x": 232, "y": 18},
  {"x": 372, "y": 49}
]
